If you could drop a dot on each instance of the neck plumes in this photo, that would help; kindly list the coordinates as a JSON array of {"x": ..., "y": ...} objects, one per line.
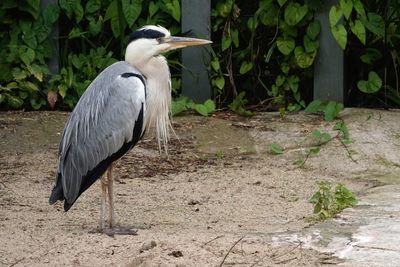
[{"x": 158, "y": 101}]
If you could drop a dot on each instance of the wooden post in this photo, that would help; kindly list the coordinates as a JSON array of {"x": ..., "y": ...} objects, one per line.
[
  {"x": 196, "y": 19},
  {"x": 53, "y": 63},
  {"x": 328, "y": 67}
]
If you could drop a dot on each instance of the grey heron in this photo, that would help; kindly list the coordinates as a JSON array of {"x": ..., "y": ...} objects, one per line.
[{"x": 125, "y": 100}]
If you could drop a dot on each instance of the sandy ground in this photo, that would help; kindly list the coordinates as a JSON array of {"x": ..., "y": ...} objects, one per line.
[{"x": 218, "y": 199}]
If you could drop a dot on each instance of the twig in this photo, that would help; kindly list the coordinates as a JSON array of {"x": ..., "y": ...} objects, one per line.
[
  {"x": 347, "y": 149},
  {"x": 215, "y": 238},
  {"x": 229, "y": 251}
]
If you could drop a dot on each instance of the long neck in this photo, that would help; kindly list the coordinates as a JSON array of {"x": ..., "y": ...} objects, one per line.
[{"x": 158, "y": 102}]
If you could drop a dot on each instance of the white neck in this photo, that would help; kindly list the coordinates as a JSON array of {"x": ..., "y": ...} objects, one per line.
[{"x": 158, "y": 102}]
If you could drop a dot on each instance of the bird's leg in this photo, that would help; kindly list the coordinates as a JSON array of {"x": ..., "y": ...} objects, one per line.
[
  {"x": 103, "y": 184},
  {"x": 111, "y": 195},
  {"x": 114, "y": 229}
]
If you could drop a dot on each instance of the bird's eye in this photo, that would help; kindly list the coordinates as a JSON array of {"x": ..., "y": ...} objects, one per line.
[{"x": 159, "y": 40}]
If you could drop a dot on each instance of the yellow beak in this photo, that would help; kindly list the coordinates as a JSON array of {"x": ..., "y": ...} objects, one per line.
[{"x": 179, "y": 42}]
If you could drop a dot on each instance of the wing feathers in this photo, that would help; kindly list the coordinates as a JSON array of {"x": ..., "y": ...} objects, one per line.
[{"x": 102, "y": 123}]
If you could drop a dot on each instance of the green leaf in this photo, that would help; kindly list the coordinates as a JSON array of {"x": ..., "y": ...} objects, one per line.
[
  {"x": 359, "y": 30},
  {"x": 252, "y": 24},
  {"x": 304, "y": 59},
  {"x": 215, "y": 64},
  {"x": 285, "y": 46},
  {"x": 31, "y": 6},
  {"x": 275, "y": 149},
  {"x": 36, "y": 71},
  {"x": 340, "y": 34},
  {"x": 174, "y": 9},
  {"x": 269, "y": 16},
  {"x": 282, "y": 2},
  {"x": 346, "y": 6},
  {"x": 14, "y": 102},
  {"x": 235, "y": 37},
  {"x": 78, "y": 10},
  {"x": 359, "y": 7},
  {"x": 50, "y": 14},
  {"x": 131, "y": 10},
  {"x": 332, "y": 110},
  {"x": 210, "y": 105},
  {"x": 219, "y": 82},
  {"x": 310, "y": 45},
  {"x": 2, "y": 98},
  {"x": 293, "y": 82},
  {"x": 335, "y": 13},
  {"x": 267, "y": 57},
  {"x": 341, "y": 126},
  {"x": 226, "y": 42},
  {"x": 29, "y": 86},
  {"x": 315, "y": 106},
  {"x": 322, "y": 136},
  {"x": 153, "y": 8},
  {"x": 179, "y": 105},
  {"x": 113, "y": 15},
  {"x": 75, "y": 33},
  {"x": 372, "y": 85},
  {"x": 68, "y": 6},
  {"x": 294, "y": 13},
  {"x": 30, "y": 39},
  {"x": 28, "y": 56},
  {"x": 19, "y": 74},
  {"x": 375, "y": 24},
  {"x": 206, "y": 108},
  {"x": 224, "y": 8},
  {"x": 37, "y": 103},
  {"x": 92, "y": 6},
  {"x": 371, "y": 55},
  {"x": 245, "y": 67},
  {"x": 95, "y": 26},
  {"x": 313, "y": 29}
]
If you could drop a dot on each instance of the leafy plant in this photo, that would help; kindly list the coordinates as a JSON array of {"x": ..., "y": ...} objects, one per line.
[
  {"x": 321, "y": 138},
  {"x": 25, "y": 47},
  {"x": 283, "y": 33},
  {"x": 182, "y": 104},
  {"x": 329, "y": 200},
  {"x": 330, "y": 110},
  {"x": 370, "y": 30},
  {"x": 275, "y": 149}
]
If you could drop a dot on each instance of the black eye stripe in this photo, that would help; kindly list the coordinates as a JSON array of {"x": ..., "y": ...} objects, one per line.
[{"x": 145, "y": 33}]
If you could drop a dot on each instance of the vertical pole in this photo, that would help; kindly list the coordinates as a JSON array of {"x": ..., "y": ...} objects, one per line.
[
  {"x": 328, "y": 67},
  {"x": 196, "y": 19},
  {"x": 53, "y": 63}
]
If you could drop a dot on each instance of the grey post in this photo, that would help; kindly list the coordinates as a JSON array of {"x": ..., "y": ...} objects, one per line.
[
  {"x": 328, "y": 67},
  {"x": 53, "y": 63},
  {"x": 196, "y": 19}
]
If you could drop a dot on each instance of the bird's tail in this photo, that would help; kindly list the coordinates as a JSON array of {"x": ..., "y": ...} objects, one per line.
[{"x": 57, "y": 193}]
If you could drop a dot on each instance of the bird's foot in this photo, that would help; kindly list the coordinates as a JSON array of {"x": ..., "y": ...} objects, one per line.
[
  {"x": 116, "y": 230},
  {"x": 120, "y": 230}
]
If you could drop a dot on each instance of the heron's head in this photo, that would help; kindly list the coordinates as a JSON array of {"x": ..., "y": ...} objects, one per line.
[{"x": 150, "y": 41}]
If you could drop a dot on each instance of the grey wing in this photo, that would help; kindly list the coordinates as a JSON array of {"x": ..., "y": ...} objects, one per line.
[{"x": 105, "y": 124}]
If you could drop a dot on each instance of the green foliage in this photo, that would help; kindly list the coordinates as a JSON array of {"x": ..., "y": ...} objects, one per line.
[
  {"x": 89, "y": 30},
  {"x": 330, "y": 110},
  {"x": 329, "y": 200},
  {"x": 371, "y": 28},
  {"x": 238, "y": 105},
  {"x": 275, "y": 149},
  {"x": 372, "y": 85},
  {"x": 283, "y": 33},
  {"x": 263, "y": 51},
  {"x": 25, "y": 47},
  {"x": 182, "y": 104}
]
